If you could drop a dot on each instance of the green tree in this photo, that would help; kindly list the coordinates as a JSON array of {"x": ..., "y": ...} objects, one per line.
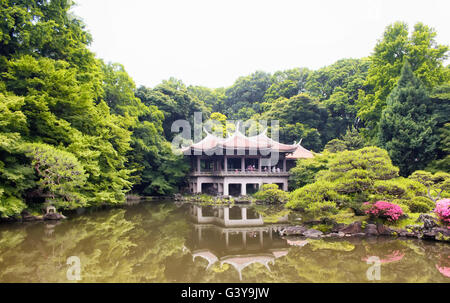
[
  {"x": 270, "y": 193},
  {"x": 51, "y": 88},
  {"x": 47, "y": 29},
  {"x": 294, "y": 132},
  {"x": 346, "y": 179},
  {"x": 61, "y": 175},
  {"x": 299, "y": 116},
  {"x": 352, "y": 140},
  {"x": 306, "y": 170},
  {"x": 245, "y": 96},
  {"x": 335, "y": 145},
  {"x": 175, "y": 101},
  {"x": 345, "y": 75},
  {"x": 219, "y": 125},
  {"x": 442, "y": 163},
  {"x": 440, "y": 99},
  {"x": 213, "y": 98},
  {"x": 407, "y": 124},
  {"x": 420, "y": 49},
  {"x": 156, "y": 170},
  {"x": 438, "y": 184},
  {"x": 287, "y": 84}
]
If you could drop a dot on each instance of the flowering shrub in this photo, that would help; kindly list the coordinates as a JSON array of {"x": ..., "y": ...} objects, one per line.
[
  {"x": 443, "y": 210},
  {"x": 384, "y": 210}
]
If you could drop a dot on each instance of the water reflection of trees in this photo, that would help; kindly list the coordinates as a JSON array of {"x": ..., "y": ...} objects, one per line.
[
  {"x": 147, "y": 243},
  {"x": 123, "y": 245}
]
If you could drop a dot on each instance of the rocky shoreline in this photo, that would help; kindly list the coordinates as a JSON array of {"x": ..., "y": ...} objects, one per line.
[
  {"x": 25, "y": 216},
  {"x": 428, "y": 231}
]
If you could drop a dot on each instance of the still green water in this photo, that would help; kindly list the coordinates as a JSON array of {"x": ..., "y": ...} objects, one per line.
[{"x": 168, "y": 242}]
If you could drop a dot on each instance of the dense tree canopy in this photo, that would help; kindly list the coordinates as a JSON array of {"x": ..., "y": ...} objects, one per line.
[
  {"x": 214, "y": 98},
  {"x": 155, "y": 169},
  {"x": 176, "y": 102},
  {"x": 290, "y": 111},
  {"x": 75, "y": 131},
  {"x": 245, "y": 96},
  {"x": 287, "y": 84},
  {"x": 420, "y": 49}
]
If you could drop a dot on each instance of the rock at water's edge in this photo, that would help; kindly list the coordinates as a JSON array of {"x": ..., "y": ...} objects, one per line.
[
  {"x": 27, "y": 217},
  {"x": 313, "y": 233},
  {"x": 353, "y": 228},
  {"x": 54, "y": 216},
  {"x": 371, "y": 230},
  {"x": 429, "y": 222},
  {"x": 383, "y": 230},
  {"x": 297, "y": 230}
]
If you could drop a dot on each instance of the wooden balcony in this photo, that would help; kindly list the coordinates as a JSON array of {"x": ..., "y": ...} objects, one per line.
[{"x": 239, "y": 173}]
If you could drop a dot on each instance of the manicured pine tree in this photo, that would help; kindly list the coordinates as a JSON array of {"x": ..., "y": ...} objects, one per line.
[{"x": 407, "y": 125}]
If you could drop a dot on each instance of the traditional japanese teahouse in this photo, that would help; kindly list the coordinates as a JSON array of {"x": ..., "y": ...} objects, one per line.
[{"x": 239, "y": 165}]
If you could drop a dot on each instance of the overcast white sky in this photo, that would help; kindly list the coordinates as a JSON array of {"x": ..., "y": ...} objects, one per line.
[{"x": 212, "y": 43}]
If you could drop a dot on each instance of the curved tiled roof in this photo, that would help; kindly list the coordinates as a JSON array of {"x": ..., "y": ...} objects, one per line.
[
  {"x": 263, "y": 139},
  {"x": 300, "y": 153},
  {"x": 207, "y": 143},
  {"x": 239, "y": 141}
]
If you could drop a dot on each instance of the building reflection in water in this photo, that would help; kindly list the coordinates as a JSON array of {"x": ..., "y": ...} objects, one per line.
[{"x": 236, "y": 236}]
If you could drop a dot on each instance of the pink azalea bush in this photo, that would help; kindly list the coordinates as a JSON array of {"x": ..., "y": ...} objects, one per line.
[
  {"x": 384, "y": 210},
  {"x": 442, "y": 210}
]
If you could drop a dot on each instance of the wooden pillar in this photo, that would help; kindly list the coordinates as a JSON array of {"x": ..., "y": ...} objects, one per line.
[
  {"x": 243, "y": 189},
  {"x": 243, "y": 164},
  {"x": 259, "y": 164},
  {"x": 284, "y": 165},
  {"x": 199, "y": 187},
  {"x": 226, "y": 164},
  {"x": 198, "y": 165}
]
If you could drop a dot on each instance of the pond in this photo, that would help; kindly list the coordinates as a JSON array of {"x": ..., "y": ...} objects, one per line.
[{"x": 170, "y": 242}]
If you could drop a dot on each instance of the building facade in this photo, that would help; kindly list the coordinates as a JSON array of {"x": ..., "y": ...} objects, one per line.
[{"x": 240, "y": 165}]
